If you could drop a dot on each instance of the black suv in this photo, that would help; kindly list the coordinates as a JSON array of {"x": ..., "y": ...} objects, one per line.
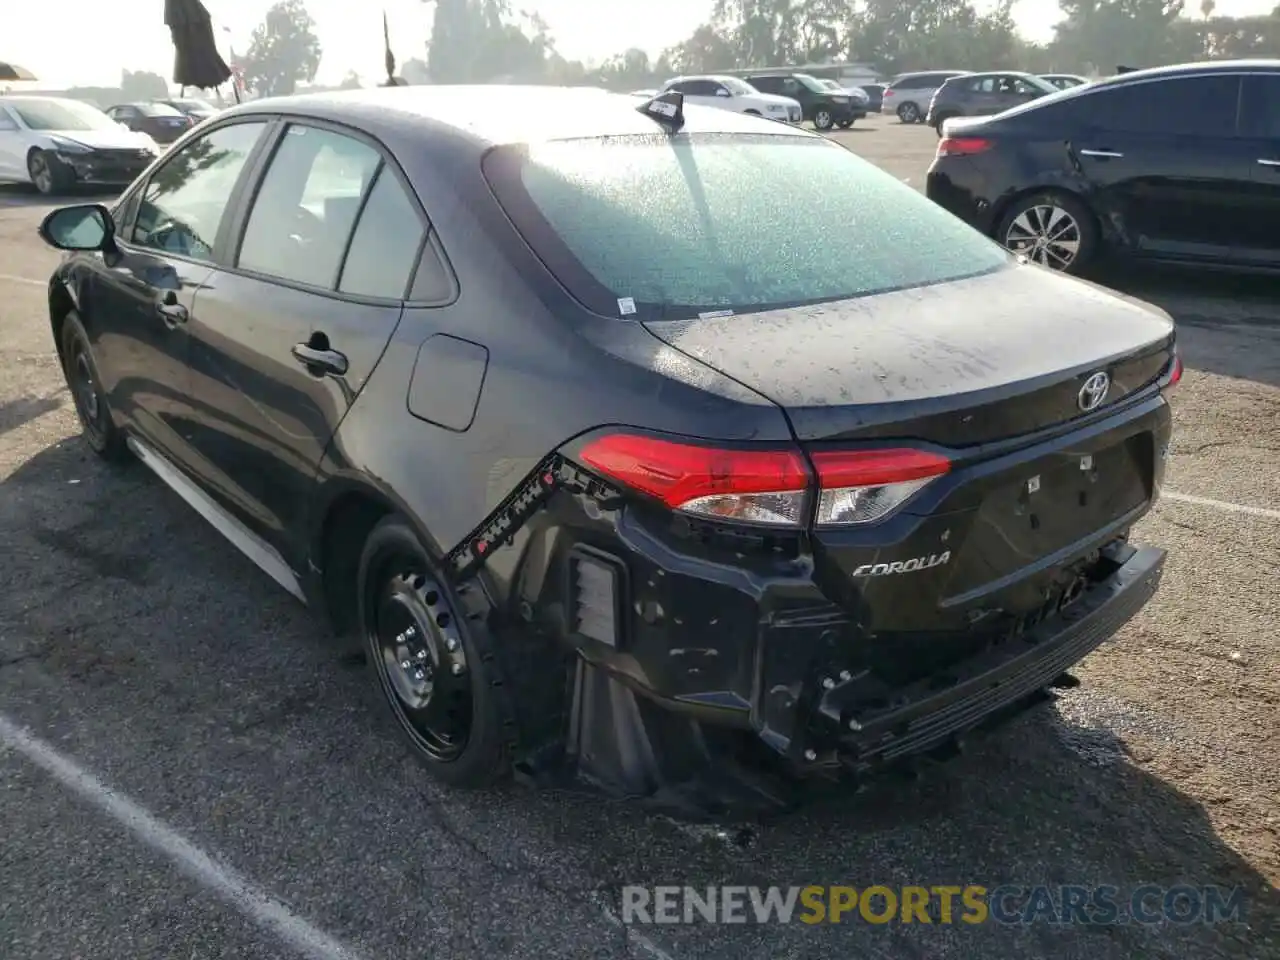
[{"x": 820, "y": 105}]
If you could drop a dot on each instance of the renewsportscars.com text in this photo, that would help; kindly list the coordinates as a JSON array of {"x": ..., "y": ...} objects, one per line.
[{"x": 969, "y": 904}]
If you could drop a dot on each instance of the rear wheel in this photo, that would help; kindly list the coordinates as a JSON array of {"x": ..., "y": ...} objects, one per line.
[
  {"x": 909, "y": 113},
  {"x": 81, "y": 372},
  {"x": 1052, "y": 229},
  {"x": 822, "y": 119},
  {"x": 845, "y": 124},
  {"x": 427, "y": 666},
  {"x": 47, "y": 173}
]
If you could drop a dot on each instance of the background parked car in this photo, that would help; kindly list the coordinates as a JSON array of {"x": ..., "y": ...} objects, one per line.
[
  {"x": 857, "y": 100},
  {"x": 1064, "y": 81},
  {"x": 823, "y": 107},
  {"x": 55, "y": 144},
  {"x": 984, "y": 94},
  {"x": 730, "y": 93},
  {"x": 1176, "y": 163},
  {"x": 909, "y": 95},
  {"x": 875, "y": 96},
  {"x": 197, "y": 110},
  {"x": 161, "y": 122}
]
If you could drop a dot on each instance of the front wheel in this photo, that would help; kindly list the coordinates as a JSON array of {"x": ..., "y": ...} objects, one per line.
[
  {"x": 428, "y": 667},
  {"x": 822, "y": 120},
  {"x": 1051, "y": 229},
  {"x": 81, "y": 372},
  {"x": 46, "y": 173}
]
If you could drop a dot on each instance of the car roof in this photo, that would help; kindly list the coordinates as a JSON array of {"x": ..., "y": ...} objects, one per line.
[
  {"x": 997, "y": 73},
  {"x": 717, "y": 77},
  {"x": 1257, "y": 65},
  {"x": 495, "y": 114}
]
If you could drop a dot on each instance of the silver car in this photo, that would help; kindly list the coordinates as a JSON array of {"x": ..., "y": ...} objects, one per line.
[{"x": 909, "y": 95}]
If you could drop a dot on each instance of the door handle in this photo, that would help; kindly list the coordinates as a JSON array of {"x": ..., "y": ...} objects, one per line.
[
  {"x": 171, "y": 311},
  {"x": 1269, "y": 163},
  {"x": 323, "y": 361},
  {"x": 1109, "y": 154}
]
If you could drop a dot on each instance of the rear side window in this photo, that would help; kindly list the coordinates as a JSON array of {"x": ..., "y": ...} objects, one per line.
[
  {"x": 307, "y": 205},
  {"x": 656, "y": 227},
  {"x": 1191, "y": 106},
  {"x": 386, "y": 243},
  {"x": 1260, "y": 105}
]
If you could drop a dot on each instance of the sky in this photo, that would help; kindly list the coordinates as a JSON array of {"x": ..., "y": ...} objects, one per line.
[{"x": 351, "y": 32}]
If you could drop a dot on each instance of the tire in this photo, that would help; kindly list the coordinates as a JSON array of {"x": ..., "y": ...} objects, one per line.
[
  {"x": 845, "y": 124},
  {"x": 909, "y": 113},
  {"x": 943, "y": 119},
  {"x": 430, "y": 666},
  {"x": 47, "y": 173},
  {"x": 822, "y": 120},
  {"x": 1034, "y": 222},
  {"x": 81, "y": 373},
  {"x": 752, "y": 113}
]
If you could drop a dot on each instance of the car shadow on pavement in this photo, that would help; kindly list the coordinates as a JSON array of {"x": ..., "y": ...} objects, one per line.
[
  {"x": 205, "y": 690},
  {"x": 16, "y": 413},
  {"x": 1228, "y": 324}
]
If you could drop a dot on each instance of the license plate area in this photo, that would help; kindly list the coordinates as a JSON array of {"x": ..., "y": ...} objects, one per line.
[{"x": 1050, "y": 504}]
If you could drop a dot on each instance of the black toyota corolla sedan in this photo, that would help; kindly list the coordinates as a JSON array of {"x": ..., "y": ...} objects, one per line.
[
  {"x": 570, "y": 410},
  {"x": 1177, "y": 164}
]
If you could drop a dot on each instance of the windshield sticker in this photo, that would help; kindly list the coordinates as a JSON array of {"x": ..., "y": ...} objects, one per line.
[
  {"x": 712, "y": 314},
  {"x": 626, "y": 306}
]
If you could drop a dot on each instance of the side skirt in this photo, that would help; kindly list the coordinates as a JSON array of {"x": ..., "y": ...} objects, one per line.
[{"x": 241, "y": 537}]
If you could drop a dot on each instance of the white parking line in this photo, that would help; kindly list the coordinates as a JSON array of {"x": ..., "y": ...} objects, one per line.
[
  {"x": 255, "y": 903},
  {"x": 1223, "y": 505},
  {"x": 12, "y": 279}
]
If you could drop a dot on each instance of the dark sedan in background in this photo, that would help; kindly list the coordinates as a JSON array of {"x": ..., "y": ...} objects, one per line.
[
  {"x": 590, "y": 491},
  {"x": 161, "y": 122},
  {"x": 198, "y": 110},
  {"x": 1176, "y": 164},
  {"x": 875, "y": 96}
]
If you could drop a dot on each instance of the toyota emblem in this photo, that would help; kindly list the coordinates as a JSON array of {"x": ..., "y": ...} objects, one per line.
[{"x": 1094, "y": 391}]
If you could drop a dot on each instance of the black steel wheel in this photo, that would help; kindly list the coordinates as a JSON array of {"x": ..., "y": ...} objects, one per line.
[
  {"x": 427, "y": 666},
  {"x": 81, "y": 373}
]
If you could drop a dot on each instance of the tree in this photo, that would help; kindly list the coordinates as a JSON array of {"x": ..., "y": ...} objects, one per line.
[
  {"x": 351, "y": 81},
  {"x": 1103, "y": 34},
  {"x": 284, "y": 50},
  {"x": 142, "y": 85}
]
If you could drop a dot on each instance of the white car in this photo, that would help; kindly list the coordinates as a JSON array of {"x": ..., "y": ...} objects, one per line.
[
  {"x": 55, "y": 144},
  {"x": 730, "y": 93}
]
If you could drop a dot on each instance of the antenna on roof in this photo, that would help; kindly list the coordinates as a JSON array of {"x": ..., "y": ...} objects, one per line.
[{"x": 667, "y": 108}]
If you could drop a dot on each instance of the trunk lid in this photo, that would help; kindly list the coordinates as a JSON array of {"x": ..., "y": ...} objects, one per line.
[
  {"x": 960, "y": 363},
  {"x": 991, "y": 369}
]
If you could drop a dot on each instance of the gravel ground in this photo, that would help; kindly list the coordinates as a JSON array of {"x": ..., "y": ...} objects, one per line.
[{"x": 182, "y": 707}]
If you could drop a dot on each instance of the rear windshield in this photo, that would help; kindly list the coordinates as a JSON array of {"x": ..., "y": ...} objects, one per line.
[
  {"x": 158, "y": 110},
  {"x": 656, "y": 227}
]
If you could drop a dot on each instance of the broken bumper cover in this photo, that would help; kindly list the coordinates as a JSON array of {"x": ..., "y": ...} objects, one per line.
[{"x": 925, "y": 716}]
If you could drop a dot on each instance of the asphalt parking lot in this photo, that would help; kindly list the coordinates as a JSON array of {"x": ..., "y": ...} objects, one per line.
[{"x": 188, "y": 769}]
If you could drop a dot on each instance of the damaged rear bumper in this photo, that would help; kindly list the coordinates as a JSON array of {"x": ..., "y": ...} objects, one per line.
[{"x": 928, "y": 713}]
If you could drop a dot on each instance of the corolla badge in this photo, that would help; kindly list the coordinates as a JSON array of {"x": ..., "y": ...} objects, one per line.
[
  {"x": 1094, "y": 391},
  {"x": 902, "y": 566}
]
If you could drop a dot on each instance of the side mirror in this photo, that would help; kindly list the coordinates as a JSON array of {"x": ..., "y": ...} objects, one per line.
[{"x": 87, "y": 226}]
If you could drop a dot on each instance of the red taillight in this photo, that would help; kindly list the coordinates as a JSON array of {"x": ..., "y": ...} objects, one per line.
[
  {"x": 764, "y": 486},
  {"x": 962, "y": 146},
  {"x": 1173, "y": 373},
  {"x": 859, "y": 486},
  {"x": 887, "y": 93}
]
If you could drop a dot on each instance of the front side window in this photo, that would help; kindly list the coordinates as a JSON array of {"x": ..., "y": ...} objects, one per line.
[
  {"x": 185, "y": 201},
  {"x": 686, "y": 225},
  {"x": 307, "y": 206}
]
